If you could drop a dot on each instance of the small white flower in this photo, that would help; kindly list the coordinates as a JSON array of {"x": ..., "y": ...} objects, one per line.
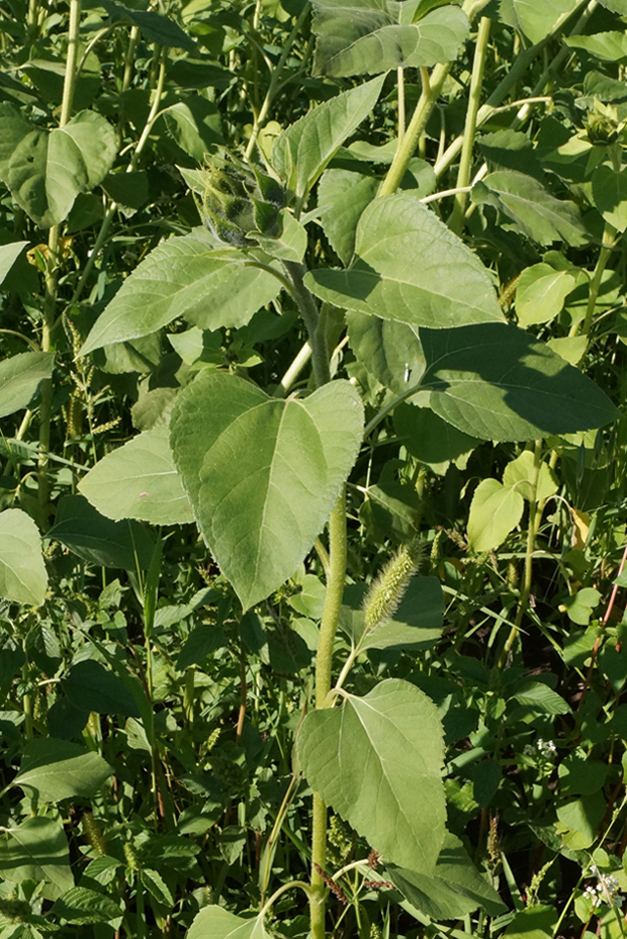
[{"x": 546, "y": 747}]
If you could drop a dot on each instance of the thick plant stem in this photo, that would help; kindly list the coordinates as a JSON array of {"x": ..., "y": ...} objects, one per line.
[
  {"x": 535, "y": 513},
  {"x": 607, "y": 244},
  {"x": 309, "y": 312},
  {"x": 52, "y": 274},
  {"x": 474, "y": 95},
  {"x": 328, "y": 628}
]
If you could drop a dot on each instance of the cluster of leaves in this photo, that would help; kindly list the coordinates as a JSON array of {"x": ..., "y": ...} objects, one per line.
[{"x": 256, "y": 297}]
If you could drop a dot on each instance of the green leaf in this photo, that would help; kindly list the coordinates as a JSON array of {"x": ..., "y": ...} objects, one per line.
[
  {"x": 303, "y": 151},
  {"x": 23, "y": 577},
  {"x": 20, "y": 378},
  {"x": 401, "y": 250},
  {"x": 377, "y": 761},
  {"x": 416, "y": 624},
  {"x": 495, "y": 511},
  {"x": 610, "y": 46},
  {"x": 429, "y": 438},
  {"x": 541, "y": 292},
  {"x": 344, "y": 195},
  {"x": 359, "y": 38},
  {"x": 157, "y": 887},
  {"x": 391, "y": 351},
  {"x": 184, "y": 276},
  {"x": 291, "y": 242},
  {"x": 194, "y": 124},
  {"x": 534, "y": 922},
  {"x": 81, "y": 905},
  {"x": 609, "y": 192},
  {"x": 97, "y": 539},
  {"x": 46, "y": 170},
  {"x": 139, "y": 480},
  {"x": 8, "y": 256},
  {"x": 455, "y": 889},
  {"x": 535, "y": 18},
  {"x": 262, "y": 474},
  {"x": 519, "y": 473},
  {"x": 37, "y": 850},
  {"x": 214, "y": 922},
  {"x": 580, "y": 606},
  {"x": 52, "y": 770},
  {"x": 90, "y": 686},
  {"x": 533, "y": 210},
  {"x": 496, "y": 382},
  {"x": 152, "y": 26}
]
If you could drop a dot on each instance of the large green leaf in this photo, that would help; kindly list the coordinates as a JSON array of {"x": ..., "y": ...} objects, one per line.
[
  {"x": 214, "y": 922},
  {"x": 496, "y": 382},
  {"x": 139, "y": 480},
  {"x": 89, "y": 686},
  {"x": 541, "y": 292},
  {"x": 358, "y": 37},
  {"x": 401, "y": 252},
  {"x": 303, "y": 151},
  {"x": 37, "y": 850},
  {"x": 23, "y": 576},
  {"x": 609, "y": 191},
  {"x": 343, "y": 195},
  {"x": 429, "y": 438},
  {"x": 391, "y": 351},
  {"x": 153, "y": 26},
  {"x": 20, "y": 378},
  {"x": 81, "y": 905},
  {"x": 416, "y": 624},
  {"x": 531, "y": 207},
  {"x": 52, "y": 770},
  {"x": 610, "y": 46},
  {"x": 98, "y": 540},
  {"x": 185, "y": 276},
  {"x": 455, "y": 889},
  {"x": 9, "y": 255},
  {"x": 377, "y": 761},
  {"x": 263, "y": 474},
  {"x": 535, "y": 18},
  {"x": 46, "y": 170},
  {"x": 495, "y": 511}
]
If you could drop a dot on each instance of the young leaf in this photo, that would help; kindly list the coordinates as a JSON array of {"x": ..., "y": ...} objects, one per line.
[
  {"x": 495, "y": 511},
  {"x": 357, "y": 38},
  {"x": 496, "y": 382},
  {"x": 23, "y": 577},
  {"x": 53, "y": 770},
  {"x": 377, "y": 761},
  {"x": 185, "y": 276},
  {"x": 534, "y": 211},
  {"x": 20, "y": 378},
  {"x": 37, "y": 850},
  {"x": 455, "y": 889},
  {"x": 303, "y": 151},
  {"x": 401, "y": 252},
  {"x": 519, "y": 473},
  {"x": 214, "y": 922},
  {"x": 139, "y": 480},
  {"x": 541, "y": 292},
  {"x": 262, "y": 474}
]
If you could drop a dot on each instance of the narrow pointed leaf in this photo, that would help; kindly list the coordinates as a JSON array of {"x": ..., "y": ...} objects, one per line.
[
  {"x": 401, "y": 251},
  {"x": 184, "y": 276},
  {"x": 496, "y": 382},
  {"x": 303, "y": 150},
  {"x": 377, "y": 761},
  {"x": 139, "y": 480},
  {"x": 263, "y": 474}
]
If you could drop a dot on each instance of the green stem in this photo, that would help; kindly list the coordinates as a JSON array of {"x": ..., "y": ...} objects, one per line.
[
  {"x": 607, "y": 244},
  {"x": 324, "y": 659},
  {"x": 400, "y": 84},
  {"x": 309, "y": 311},
  {"x": 535, "y": 513},
  {"x": 474, "y": 95}
]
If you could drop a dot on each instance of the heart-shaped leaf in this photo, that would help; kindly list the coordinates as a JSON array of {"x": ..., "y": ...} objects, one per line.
[
  {"x": 377, "y": 761},
  {"x": 263, "y": 474}
]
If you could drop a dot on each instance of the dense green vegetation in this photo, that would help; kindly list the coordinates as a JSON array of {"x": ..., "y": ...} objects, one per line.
[{"x": 312, "y": 483}]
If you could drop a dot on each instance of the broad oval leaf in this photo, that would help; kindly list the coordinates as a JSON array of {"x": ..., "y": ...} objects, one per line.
[
  {"x": 214, "y": 922},
  {"x": 411, "y": 268},
  {"x": 185, "y": 276},
  {"x": 20, "y": 378},
  {"x": 53, "y": 770},
  {"x": 303, "y": 151},
  {"x": 535, "y": 18},
  {"x": 455, "y": 889},
  {"x": 37, "y": 850},
  {"x": 610, "y": 46},
  {"x": 139, "y": 480},
  {"x": 377, "y": 761},
  {"x": 23, "y": 577},
  {"x": 354, "y": 40},
  {"x": 263, "y": 474},
  {"x": 495, "y": 511},
  {"x": 541, "y": 292},
  {"x": 496, "y": 382}
]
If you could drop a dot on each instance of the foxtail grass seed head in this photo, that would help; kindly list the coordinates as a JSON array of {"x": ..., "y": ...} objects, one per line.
[{"x": 388, "y": 588}]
